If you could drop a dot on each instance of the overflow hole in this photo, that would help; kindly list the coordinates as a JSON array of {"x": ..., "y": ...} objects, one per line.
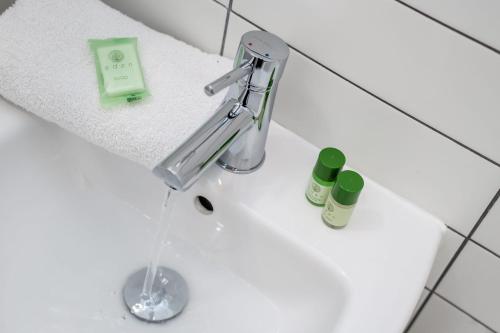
[{"x": 203, "y": 205}]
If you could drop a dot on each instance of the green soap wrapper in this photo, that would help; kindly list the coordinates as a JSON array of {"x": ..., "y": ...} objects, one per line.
[{"x": 119, "y": 72}]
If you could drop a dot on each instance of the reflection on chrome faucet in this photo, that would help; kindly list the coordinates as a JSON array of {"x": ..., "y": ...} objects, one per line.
[{"x": 236, "y": 134}]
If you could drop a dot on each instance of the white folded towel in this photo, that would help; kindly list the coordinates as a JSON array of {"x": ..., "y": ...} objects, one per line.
[{"x": 46, "y": 67}]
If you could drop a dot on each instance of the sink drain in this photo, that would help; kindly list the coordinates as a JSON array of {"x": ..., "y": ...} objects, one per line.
[
  {"x": 169, "y": 295},
  {"x": 203, "y": 205}
]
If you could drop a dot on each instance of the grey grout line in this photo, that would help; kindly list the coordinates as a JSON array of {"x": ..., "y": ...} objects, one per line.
[
  {"x": 431, "y": 293},
  {"x": 456, "y": 231},
  {"x": 486, "y": 211},
  {"x": 464, "y": 312},
  {"x": 490, "y": 251},
  {"x": 453, "y": 259},
  {"x": 380, "y": 99},
  {"x": 226, "y": 24},
  {"x": 475, "y": 242},
  {"x": 419, "y": 311},
  {"x": 461, "y": 33},
  {"x": 220, "y": 3}
]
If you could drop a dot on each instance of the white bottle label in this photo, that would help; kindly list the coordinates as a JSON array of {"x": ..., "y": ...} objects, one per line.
[
  {"x": 316, "y": 192},
  {"x": 335, "y": 214}
]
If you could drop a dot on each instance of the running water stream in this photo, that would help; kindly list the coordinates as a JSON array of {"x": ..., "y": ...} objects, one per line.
[
  {"x": 161, "y": 235},
  {"x": 157, "y": 293}
]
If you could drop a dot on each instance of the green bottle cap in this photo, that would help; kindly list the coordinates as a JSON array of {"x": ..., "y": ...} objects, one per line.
[
  {"x": 347, "y": 188},
  {"x": 330, "y": 162}
]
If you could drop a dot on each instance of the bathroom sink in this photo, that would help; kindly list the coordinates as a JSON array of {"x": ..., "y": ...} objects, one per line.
[{"x": 75, "y": 221}]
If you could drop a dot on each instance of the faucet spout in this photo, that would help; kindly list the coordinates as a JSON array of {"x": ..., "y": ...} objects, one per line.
[{"x": 183, "y": 167}]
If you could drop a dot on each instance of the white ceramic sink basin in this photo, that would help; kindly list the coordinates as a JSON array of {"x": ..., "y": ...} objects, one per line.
[{"x": 75, "y": 221}]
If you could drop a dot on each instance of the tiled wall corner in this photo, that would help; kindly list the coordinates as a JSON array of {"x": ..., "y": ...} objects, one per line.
[
  {"x": 488, "y": 233},
  {"x": 477, "y": 19},
  {"x": 449, "y": 245},
  {"x": 472, "y": 284},
  {"x": 441, "y": 317},
  {"x": 421, "y": 300},
  {"x": 196, "y": 22}
]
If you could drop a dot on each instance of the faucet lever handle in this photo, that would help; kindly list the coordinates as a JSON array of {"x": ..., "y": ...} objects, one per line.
[{"x": 227, "y": 79}]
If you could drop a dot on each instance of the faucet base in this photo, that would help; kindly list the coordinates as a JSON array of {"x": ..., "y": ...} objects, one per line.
[
  {"x": 168, "y": 298},
  {"x": 241, "y": 171}
]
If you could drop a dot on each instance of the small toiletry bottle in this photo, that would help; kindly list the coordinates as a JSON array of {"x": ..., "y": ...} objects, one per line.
[
  {"x": 330, "y": 162},
  {"x": 342, "y": 199}
]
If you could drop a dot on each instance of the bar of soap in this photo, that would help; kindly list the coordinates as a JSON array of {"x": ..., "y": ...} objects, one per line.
[{"x": 119, "y": 71}]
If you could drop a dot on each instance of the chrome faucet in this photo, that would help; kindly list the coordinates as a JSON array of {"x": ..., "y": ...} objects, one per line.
[{"x": 235, "y": 135}]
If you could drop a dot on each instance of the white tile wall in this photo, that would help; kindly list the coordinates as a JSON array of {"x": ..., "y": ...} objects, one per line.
[
  {"x": 197, "y": 22},
  {"x": 389, "y": 147},
  {"x": 440, "y": 317},
  {"x": 488, "y": 233},
  {"x": 476, "y": 18},
  {"x": 429, "y": 71},
  {"x": 449, "y": 245},
  {"x": 473, "y": 284}
]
